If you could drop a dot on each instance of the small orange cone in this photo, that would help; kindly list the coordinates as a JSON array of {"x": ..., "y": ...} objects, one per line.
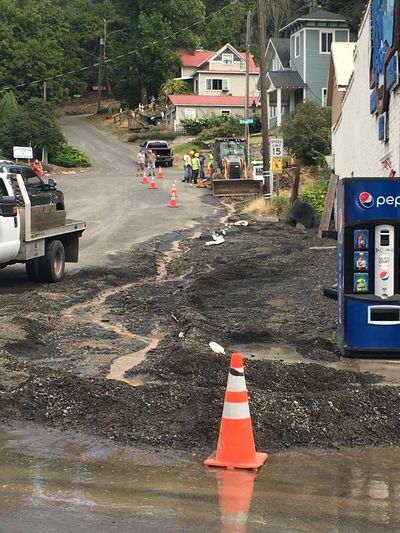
[
  {"x": 145, "y": 178},
  {"x": 160, "y": 173},
  {"x": 235, "y": 490},
  {"x": 153, "y": 184},
  {"x": 172, "y": 200},
  {"x": 173, "y": 190},
  {"x": 209, "y": 172},
  {"x": 235, "y": 448}
]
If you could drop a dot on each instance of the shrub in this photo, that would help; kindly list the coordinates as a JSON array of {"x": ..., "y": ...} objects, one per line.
[
  {"x": 196, "y": 126},
  {"x": 68, "y": 156},
  {"x": 315, "y": 195},
  {"x": 281, "y": 205},
  {"x": 307, "y": 133},
  {"x": 230, "y": 129},
  {"x": 165, "y": 135}
]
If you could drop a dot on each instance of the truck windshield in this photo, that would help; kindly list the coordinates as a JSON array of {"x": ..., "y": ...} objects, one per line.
[
  {"x": 157, "y": 145},
  {"x": 3, "y": 188}
]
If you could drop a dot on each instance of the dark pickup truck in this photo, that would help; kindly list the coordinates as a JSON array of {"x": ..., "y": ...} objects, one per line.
[{"x": 164, "y": 153}]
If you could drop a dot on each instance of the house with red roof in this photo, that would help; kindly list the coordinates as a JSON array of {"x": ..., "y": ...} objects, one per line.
[{"x": 218, "y": 81}]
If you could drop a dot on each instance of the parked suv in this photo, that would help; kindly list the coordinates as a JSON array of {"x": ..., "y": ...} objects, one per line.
[{"x": 39, "y": 193}]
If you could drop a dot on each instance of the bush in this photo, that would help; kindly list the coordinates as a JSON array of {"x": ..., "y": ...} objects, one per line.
[
  {"x": 165, "y": 135},
  {"x": 315, "y": 195},
  {"x": 68, "y": 156},
  {"x": 307, "y": 133},
  {"x": 196, "y": 126},
  {"x": 230, "y": 129},
  {"x": 281, "y": 205}
]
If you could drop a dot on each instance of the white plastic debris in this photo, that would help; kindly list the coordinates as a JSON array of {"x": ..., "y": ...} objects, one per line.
[
  {"x": 217, "y": 239},
  {"x": 241, "y": 223},
  {"x": 181, "y": 335},
  {"x": 217, "y": 348}
]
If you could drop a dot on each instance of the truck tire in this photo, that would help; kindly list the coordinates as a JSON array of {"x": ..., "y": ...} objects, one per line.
[
  {"x": 52, "y": 264},
  {"x": 32, "y": 269}
]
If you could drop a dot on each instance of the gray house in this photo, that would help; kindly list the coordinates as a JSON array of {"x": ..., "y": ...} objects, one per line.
[{"x": 298, "y": 62}]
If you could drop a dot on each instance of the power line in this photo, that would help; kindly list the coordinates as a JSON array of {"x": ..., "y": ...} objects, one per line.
[{"x": 116, "y": 58}]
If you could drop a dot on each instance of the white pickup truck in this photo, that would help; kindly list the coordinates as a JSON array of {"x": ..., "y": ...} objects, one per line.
[{"x": 27, "y": 234}]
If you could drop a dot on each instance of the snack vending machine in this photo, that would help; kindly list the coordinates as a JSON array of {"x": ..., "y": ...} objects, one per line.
[{"x": 368, "y": 220}]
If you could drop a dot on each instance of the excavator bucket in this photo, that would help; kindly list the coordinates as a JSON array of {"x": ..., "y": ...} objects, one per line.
[{"x": 238, "y": 187}]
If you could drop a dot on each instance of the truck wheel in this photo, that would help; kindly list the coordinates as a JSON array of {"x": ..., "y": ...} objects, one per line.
[
  {"x": 32, "y": 269},
  {"x": 52, "y": 264}
]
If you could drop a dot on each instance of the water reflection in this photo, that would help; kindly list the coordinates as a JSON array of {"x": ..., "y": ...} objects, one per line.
[
  {"x": 59, "y": 480},
  {"x": 235, "y": 491}
]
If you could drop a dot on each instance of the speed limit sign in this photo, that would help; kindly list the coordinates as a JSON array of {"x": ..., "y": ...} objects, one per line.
[{"x": 276, "y": 147}]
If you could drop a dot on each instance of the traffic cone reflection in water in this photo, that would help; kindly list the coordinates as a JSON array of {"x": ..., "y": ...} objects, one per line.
[
  {"x": 236, "y": 448},
  {"x": 235, "y": 490}
]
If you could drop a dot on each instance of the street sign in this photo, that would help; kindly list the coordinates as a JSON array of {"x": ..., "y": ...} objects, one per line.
[
  {"x": 277, "y": 165},
  {"x": 247, "y": 121},
  {"x": 23, "y": 152},
  {"x": 276, "y": 147}
]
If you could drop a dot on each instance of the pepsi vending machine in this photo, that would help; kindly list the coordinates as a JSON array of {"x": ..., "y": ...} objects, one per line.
[{"x": 368, "y": 220}]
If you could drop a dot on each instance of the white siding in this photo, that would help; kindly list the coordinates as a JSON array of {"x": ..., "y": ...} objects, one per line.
[{"x": 356, "y": 148}]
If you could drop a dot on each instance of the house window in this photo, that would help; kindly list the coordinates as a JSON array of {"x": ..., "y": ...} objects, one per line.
[
  {"x": 217, "y": 84},
  {"x": 196, "y": 86},
  {"x": 190, "y": 113},
  {"x": 227, "y": 59},
  {"x": 272, "y": 112},
  {"x": 225, "y": 112},
  {"x": 324, "y": 95},
  {"x": 297, "y": 46},
  {"x": 326, "y": 39}
]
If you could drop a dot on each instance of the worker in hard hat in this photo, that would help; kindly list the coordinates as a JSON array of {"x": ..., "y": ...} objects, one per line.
[
  {"x": 195, "y": 167},
  {"x": 187, "y": 168}
]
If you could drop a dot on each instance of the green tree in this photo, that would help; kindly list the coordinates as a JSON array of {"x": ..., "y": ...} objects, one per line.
[
  {"x": 9, "y": 111},
  {"x": 173, "y": 86},
  {"x": 36, "y": 125},
  {"x": 307, "y": 133}
]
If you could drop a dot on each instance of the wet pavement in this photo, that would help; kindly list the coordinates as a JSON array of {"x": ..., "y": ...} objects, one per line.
[{"x": 55, "y": 482}]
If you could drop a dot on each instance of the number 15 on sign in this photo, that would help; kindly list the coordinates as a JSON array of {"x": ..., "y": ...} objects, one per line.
[{"x": 276, "y": 147}]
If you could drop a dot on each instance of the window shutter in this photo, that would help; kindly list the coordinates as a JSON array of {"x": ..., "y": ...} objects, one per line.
[{"x": 225, "y": 85}]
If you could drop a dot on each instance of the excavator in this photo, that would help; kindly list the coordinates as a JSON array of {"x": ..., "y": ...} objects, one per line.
[{"x": 231, "y": 176}]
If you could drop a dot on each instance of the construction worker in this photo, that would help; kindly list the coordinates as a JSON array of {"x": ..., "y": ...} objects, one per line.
[
  {"x": 187, "y": 167},
  {"x": 195, "y": 167},
  {"x": 211, "y": 162},
  {"x": 38, "y": 169},
  {"x": 202, "y": 159}
]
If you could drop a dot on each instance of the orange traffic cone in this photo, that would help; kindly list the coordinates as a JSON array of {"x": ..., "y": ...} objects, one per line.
[
  {"x": 209, "y": 172},
  {"x": 160, "y": 173},
  {"x": 145, "y": 178},
  {"x": 172, "y": 200},
  {"x": 153, "y": 184},
  {"x": 173, "y": 190},
  {"x": 293, "y": 162},
  {"x": 235, "y": 448},
  {"x": 235, "y": 490}
]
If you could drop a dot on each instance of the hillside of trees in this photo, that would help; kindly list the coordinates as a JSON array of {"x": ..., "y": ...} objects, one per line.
[{"x": 59, "y": 40}]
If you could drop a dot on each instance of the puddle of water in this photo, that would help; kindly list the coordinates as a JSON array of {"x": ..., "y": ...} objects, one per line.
[
  {"x": 63, "y": 483},
  {"x": 387, "y": 368}
]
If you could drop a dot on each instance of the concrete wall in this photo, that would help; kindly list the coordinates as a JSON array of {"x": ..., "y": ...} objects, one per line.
[{"x": 355, "y": 145}]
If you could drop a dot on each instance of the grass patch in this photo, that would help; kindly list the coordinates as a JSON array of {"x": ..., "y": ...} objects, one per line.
[{"x": 259, "y": 206}]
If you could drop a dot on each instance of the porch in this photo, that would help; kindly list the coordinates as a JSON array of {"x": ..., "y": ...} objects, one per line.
[{"x": 285, "y": 91}]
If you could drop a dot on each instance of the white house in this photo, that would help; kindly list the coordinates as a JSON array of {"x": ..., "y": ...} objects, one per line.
[
  {"x": 366, "y": 133},
  {"x": 218, "y": 81}
]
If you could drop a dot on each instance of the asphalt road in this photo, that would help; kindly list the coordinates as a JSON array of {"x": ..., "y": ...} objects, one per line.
[{"x": 121, "y": 212}]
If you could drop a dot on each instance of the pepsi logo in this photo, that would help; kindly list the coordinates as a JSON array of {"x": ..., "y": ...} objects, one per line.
[
  {"x": 384, "y": 276},
  {"x": 366, "y": 200}
]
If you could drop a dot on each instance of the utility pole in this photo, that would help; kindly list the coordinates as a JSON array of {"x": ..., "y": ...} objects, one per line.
[
  {"x": 246, "y": 105},
  {"x": 102, "y": 47},
  {"x": 264, "y": 96},
  {"x": 44, "y": 148}
]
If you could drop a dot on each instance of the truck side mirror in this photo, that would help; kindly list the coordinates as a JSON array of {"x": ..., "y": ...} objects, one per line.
[
  {"x": 8, "y": 206},
  {"x": 52, "y": 184}
]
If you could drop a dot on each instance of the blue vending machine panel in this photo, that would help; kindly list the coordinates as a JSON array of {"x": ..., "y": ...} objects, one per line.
[{"x": 368, "y": 220}]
